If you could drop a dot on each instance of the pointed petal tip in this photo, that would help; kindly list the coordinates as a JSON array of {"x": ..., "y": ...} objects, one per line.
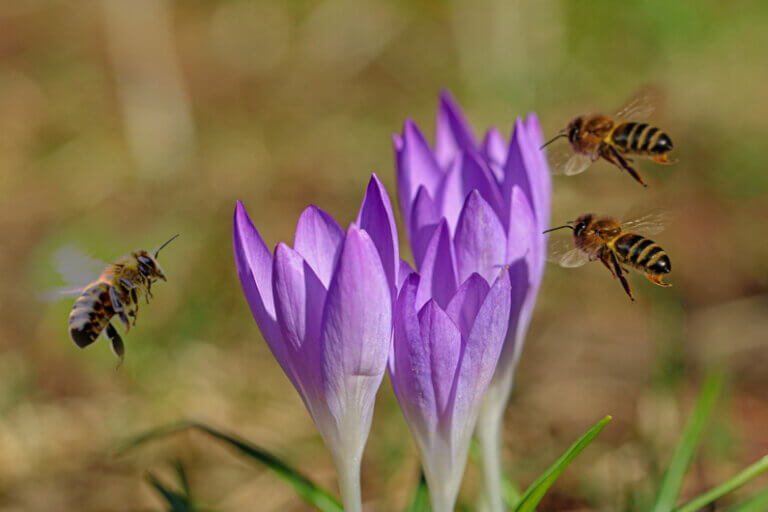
[
  {"x": 409, "y": 125},
  {"x": 412, "y": 280},
  {"x": 446, "y": 97},
  {"x": 240, "y": 211},
  {"x": 397, "y": 142}
]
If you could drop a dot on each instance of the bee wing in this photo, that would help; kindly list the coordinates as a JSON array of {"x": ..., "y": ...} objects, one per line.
[
  {"x": 77, "y": 269},
  {"x": 562, "y": 160},
  {"x": 564, "y": 254},
  {"x": 59, "y": 293},
  {"x": 641, "y": 106},
  {"x": 649, "y": 224}
]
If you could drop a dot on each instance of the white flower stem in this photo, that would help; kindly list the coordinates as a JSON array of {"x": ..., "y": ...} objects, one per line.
[
  {"x": 489, "y": 437},
  {"x": 348, "y": 475},
  {"x": 443, "y": 486},
  {"x": 441, "y": 502}
]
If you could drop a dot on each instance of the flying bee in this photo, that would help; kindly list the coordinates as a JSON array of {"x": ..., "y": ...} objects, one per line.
[
  {"x": 116, "y": 292},
  {"x": 598, "y": 136},
  {"x": 619, "y": 246}
]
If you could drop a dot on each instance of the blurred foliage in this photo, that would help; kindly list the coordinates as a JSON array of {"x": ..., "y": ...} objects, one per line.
[{"x": 126, "y": 122}]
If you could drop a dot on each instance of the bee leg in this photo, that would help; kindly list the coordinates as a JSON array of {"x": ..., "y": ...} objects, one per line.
[
  {"x": 604, "y": 261},
  {"x": 115, "y": 343},
  {"x": 117, "y": 304},
  {"x": 613, "y": 156},
  {"x": 124, "y": 318},
  {"x": 620, "y": 275},
  {"x": 149, "y": 292},
  {"x": 657, "y": 280}
]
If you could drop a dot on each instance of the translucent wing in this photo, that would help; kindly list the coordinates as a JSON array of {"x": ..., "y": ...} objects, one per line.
[
  {"x": 649, "y": 224},
  {"x": 562, "y": 160},
  {"x": 77, "y": 270},
  {"x": 564, "y": 254},
  {"x": 641, "y": 106}
]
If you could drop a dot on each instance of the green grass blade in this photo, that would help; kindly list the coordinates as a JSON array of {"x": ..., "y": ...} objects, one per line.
[
  {"x": 672, "y": 481},
  {"x": 721, "y": 490},
  {"x": 539, "y": 488},
  {"x": 510, "y": 492},
  {"x": 757, "y": 503},
  {"x": 176, "y": 501},
  {"x": 181, "y": 473},
  {"x": 306, "y": 489},
  {"x": 420, "y": 500}
]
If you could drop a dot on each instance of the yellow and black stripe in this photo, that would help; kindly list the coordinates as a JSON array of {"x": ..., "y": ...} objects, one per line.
[
  {"x": 640, "y": 138},
  {"x": 90, "y": 314},
  {"x": 642, "y": 253}
]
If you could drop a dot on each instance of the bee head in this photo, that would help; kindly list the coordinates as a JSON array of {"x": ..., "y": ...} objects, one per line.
[
  {"x": 580, "y": 224},
  {"x": 148, "y": 266},
  {"x": 574, "y": 129}
]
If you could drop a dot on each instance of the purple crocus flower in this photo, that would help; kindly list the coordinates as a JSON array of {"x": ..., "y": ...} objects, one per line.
[
  {"x": 325, "y": 310},
  {"x": 443, "y": 358},
  {"x": 474, "y": 207}
]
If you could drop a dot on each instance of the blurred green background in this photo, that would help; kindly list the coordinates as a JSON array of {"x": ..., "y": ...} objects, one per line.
[{"x": 122, "y": 123}]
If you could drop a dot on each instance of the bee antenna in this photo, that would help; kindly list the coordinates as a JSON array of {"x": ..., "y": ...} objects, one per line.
[
  {"x": 559, "y": 227},
  {"x": 166, "y": 243},
  {"x": 561, "y": 133}
]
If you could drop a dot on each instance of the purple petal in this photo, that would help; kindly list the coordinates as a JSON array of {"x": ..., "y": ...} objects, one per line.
[
  {"x": 423, "y": 221},
  {"x": 482, "y": 350},
  {"x": 494, "y": 150},
  {"x": 541, "y": 178},
  {"x": 403, "y": 272},
  {"x": 523, "y": 298},
  {"x": 356, "y": 326},
  {"x": 466, "y": 174},
  {"x": 438, "y": 274},
  {"x": 480, "y": 241},
  {"x": 254, "y": 266},
  {"x": 377, "y": 219},
  {"x": 299, "y": 298},
  {"x": 525, "y": 168},
  {"x": 453, "y": 133},
  {"x": 523, "y": 232},
  {"x": 465, "y": 304},
  {"x": 443, "y": 341},
  {"x": 318, "y": 239},
  {"x": 416, "y": 166},
  {"x": 410, "y": 366}
]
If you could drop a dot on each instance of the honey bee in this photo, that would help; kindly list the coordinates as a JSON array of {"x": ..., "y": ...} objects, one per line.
[
  {"x": 617, "y": 245},
  {"x": 612, "y": 138},
  {"x": 117, "y": 291}
]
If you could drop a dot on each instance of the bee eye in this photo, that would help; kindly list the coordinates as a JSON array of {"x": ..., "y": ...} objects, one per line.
[
  {"x": 145, "y": 260},
  {"x": 143, "y": 269},
  {"x": 574, "y": 133}
]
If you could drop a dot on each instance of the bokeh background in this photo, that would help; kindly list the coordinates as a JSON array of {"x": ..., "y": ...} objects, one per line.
[{"x": 122, "y": 123}]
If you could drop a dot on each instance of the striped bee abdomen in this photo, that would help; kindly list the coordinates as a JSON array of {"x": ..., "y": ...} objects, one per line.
[
  {"x": 90, "y": 314},
  {"x": 640, "y": 138},
  {"x": 643, "y": 254}
]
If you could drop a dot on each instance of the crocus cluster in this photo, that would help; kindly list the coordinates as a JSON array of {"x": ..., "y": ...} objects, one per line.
[
  {"x": 340, "y": 307},
  {"x": 474, "y": 207},
  {"x": 324, "y": 308}
]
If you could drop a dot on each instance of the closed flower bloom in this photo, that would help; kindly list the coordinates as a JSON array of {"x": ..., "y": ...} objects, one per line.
[
  {"x": 324, "y": 308},
  {"x": 487, "y": 202},
  {"x": 442, "y": 361}
]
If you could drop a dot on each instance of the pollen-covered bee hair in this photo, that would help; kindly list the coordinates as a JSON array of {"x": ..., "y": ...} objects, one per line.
[{"x": 118, "y": 291}]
